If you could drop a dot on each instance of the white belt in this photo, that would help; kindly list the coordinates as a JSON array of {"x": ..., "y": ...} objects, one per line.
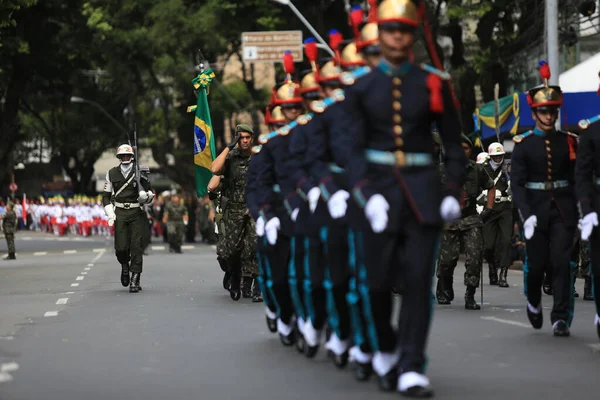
[
  {"x": 127, "y": 205},
  {"x": 502, "y": 199}
]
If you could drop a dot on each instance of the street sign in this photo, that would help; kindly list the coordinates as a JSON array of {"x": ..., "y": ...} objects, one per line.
[
  {"x": 13, "y": 187},
  {"x": 269, "y": 47}
]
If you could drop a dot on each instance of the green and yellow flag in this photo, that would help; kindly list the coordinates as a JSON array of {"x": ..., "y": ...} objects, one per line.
[{"x": 204, "y": 141}]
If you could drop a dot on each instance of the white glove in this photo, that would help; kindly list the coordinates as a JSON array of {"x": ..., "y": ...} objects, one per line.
[
  {"x": 529, "y": 226},
  {"x": 294, "y": 215},
  {"x": 143, "y": 197},
  {"x": 376, "y": 211},
  {"x": 260, "y": 227},
  {"x": 271, "y": 228},
  {"x": 587, "y": 224},
  {"x": 450, "y": 209},
  {"x": 109, "y": 209},
  {"x": 313, "y": 198},
  {"x": 337, "y": 204},
  {"x": 150, "y": 197}
]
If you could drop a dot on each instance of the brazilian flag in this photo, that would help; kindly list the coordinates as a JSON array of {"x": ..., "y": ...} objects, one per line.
[{"x": 204, "y": 141}]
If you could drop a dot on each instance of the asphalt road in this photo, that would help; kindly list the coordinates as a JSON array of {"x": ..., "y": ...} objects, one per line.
[{"x": 182, "y": 337}]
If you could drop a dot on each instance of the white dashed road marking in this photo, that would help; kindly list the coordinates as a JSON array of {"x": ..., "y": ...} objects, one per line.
[
  {"x": 188, "y": 247},
  {"x": 84, "y": 273},
  {"x": 69, "y": 251},
  {"x": 507, "y": 321},
  {"x": 100, "y": 253},
  {"x": 5, "y": 369},
  {"x": 86, "y": 269},
  {"x": 158, "y": 247},
  {"x": 99, "y": 250},
  {"x": 51, "y": 314},
  {"x": 40, "y": 253},
  {"x": 79, "y": 278},
  {"x": 74, "y": 284},
  {"x": 62, "y": 301}
]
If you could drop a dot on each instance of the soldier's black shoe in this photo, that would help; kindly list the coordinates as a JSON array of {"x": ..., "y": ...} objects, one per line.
[
  {"x": 547, "y": 285},
  {"x": 300, "y": 343},
  {"x": 441, "y": 293},
  {"x": 271, "y": 324},
  {"x": 234, "y": 289},
  {"x": 448, "y": 287},
  {"x": 339, "y": 361},
  {"x": 536, "y": 319},
  {"x": 11, "y": 256},
  {"x": 412, "y": 384},
  {"x": 388, "y": 382},
  {"x": 470, "y": 303},
  {"x": 561, "y": 329},
  {"x": 310, "y": 351},
  {"x": 502, "y": 281},
  {"x": 587, "y": 289},
  {"x": 362, "y": 371},
  {"x": 125, "y": 279},
  {"x": 288, "y": 340},
  {"x": 226, "y": 280},
  {"x": 235, "y": 295},
  {"x": 133, "y": 287}
]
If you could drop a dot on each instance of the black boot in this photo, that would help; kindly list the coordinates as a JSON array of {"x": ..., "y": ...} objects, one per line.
[
  {"x": 256, "y": 294},
  {"x": 587, "y": 289},
  {"x": 440, "y": 293},
  {"x": 234, "y": 288},
  {"x": 11, "y": 256},
  {"x": 561, "y": 329},
  {"x": 271, "y": 324},
  {"x": 339, "y": 361},
  {"x": 493, "y": 274},
  {"x": 449, "y": 287},
  {"x": 536, "y": 320},
  {"x": 246, "y": 287},
  {"x": 470, "y": 303},
  {"x": 125, "y": 275},
  {"x": 389, "y": 381},
  {"x": 502, "y": 281},
  {"x": 362, "y": 372},
  {"x": 226, "y": 279},
  {"x": 134, "y": 284}
]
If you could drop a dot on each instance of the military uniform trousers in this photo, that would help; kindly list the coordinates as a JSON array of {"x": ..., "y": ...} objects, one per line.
[
  {"x": 176, "y": 230},
  {"x": 239, "y": 242},
  {"x": 471, "y": 239},
  {"x": 276, "y": 275},
  {"x": 264, "y": 279},
  {"x": 497, "y": 234},
  {"x": 405, "y": 255},
  {"x": 131, "y": 229},
  {"x": 594, "y": 244},
  {"x": 334, "y": 241},
  {"x": 550, "y": 247},
  {"x": 10, "y": 242}
]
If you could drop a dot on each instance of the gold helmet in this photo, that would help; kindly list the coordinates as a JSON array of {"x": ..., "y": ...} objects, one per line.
[
  {"x": 350, "y": 56},
  {"x": 287, "y": 94},
  {"x": 545, "y": 96},
  {"x": 394, "y": 13},
  {"x": 274, "y": 116},
  {"x": 368, "y": 40}
]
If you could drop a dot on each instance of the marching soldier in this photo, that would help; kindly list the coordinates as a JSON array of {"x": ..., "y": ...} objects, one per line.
[
  {"x": 543, "y": 162},
  {"x": 587, "y": 184},
  {"x": 214, "y": 194},
  {"x": 387, "y": 124},
  {"x": 176, "y": 218},
  {"x": 273, "y": 180},
  {"x": 240, "y": 233},
  {"x": 9, "y": 226},
  {"x": 123, "y": 204},
  {"x": 497, "y": 231},
  {"x": 466, "y": 232}
]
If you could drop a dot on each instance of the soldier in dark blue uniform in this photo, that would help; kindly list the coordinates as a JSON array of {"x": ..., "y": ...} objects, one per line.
[
  {"x": 543, "y": 163},
  {"x": 273, "y": 180},
  {"x": 587, "y": 186},
  {"x": 274, "y": 120},
  {"x": 395, "y": 178}
]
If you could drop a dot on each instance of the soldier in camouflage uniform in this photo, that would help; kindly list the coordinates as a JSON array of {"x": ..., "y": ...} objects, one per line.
[
  {"x": 206, "y": 223},
  {"x": 214, "y": 194},
  {"x": 466, "y": 232},
  {"x": 9, "y": 225},
  {"x": 176, "y": 217},
  {"x": 239, "y": 239}
]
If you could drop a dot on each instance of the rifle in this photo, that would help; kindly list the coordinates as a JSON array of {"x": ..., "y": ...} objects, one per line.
[{"x": 136, "y": 162}]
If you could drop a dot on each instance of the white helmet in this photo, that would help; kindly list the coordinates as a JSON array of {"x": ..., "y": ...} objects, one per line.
[
  {"x": 125, "y": 149},
  {"x": 496, "y": 149},
  {"x": 482, "y": 157}
]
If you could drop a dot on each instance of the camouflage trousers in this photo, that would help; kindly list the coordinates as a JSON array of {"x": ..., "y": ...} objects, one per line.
[
  {"x": 238, "y": 243},
  {"x": 10, "y": 241},
  {"x": 584, "y": 258},
  {"x": 175, "y": 231},
  {"x": 472, "y": 242}
]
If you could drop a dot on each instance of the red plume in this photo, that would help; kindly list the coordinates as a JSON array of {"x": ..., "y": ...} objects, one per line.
[
  {"x": 544, "y": 70},
  {"x": 311, "y": 50},
  {"x": 357, "y": 17},
  {"x": 436, "y": 101},
  {"x": 372, "y": 11},
  {"x": 288, "y": 63},
  {"x": 335, "y": 38}
]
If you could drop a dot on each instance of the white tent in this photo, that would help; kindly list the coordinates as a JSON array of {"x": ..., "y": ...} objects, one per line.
[{"x": 581, "y": 78}]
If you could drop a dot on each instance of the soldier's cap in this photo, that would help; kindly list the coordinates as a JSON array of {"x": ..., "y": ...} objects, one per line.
[
  {"x": 399, "y": 14},
  {"x": 465, "y": 139},
  {"x": 244, "y": 128}
]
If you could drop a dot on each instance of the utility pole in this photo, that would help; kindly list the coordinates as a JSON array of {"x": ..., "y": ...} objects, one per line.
[{"x": 552, "y": 43}]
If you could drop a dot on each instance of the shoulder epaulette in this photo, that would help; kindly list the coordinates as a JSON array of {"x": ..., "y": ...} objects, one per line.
[
  {"x": 256, "y": 149},
  {"x": 585, "y": 123},
  {"x": 319, "y": 106},
  {"x": 573, "y": 135},
  {"x": 519, "y": 138},
  {"x": 286, "y": 129},
  {"x": 349, "y": 77},
  {"x": 442, "y": 74}
]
